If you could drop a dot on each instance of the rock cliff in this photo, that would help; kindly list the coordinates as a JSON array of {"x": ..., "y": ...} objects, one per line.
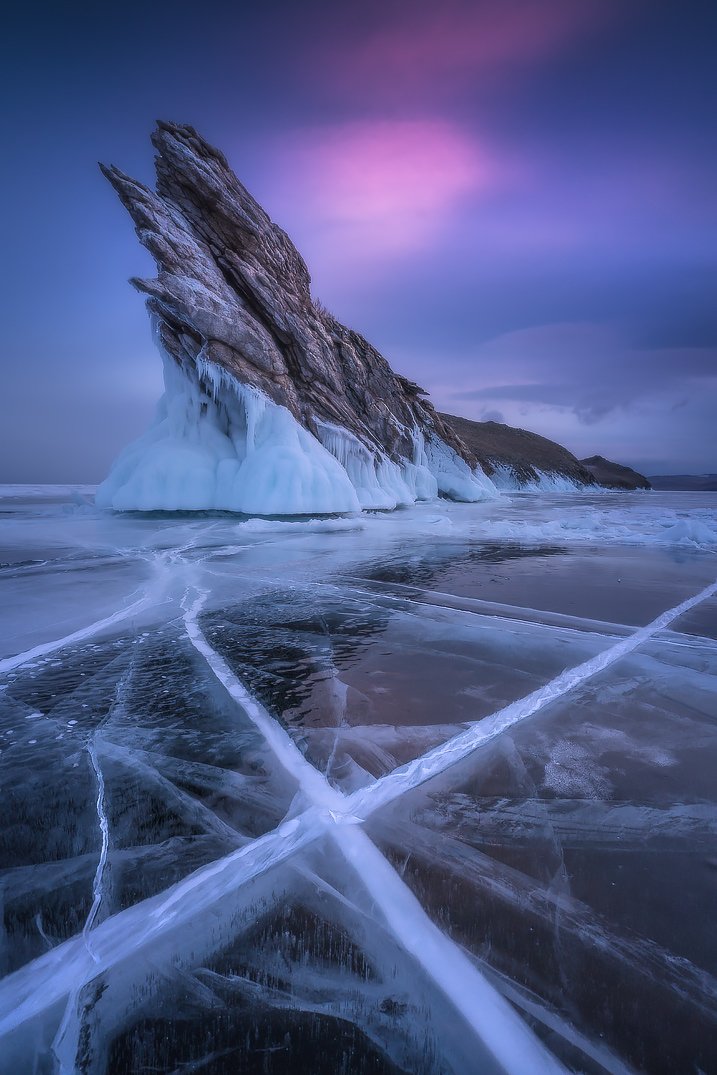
[
  {"x": 614, "y": 475},
  {"x": 516, "y": 458},
  {"x": 271, "y": 405}
]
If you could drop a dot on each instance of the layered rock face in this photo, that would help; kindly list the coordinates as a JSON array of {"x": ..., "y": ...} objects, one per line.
[{"x": 271, "y": 406}]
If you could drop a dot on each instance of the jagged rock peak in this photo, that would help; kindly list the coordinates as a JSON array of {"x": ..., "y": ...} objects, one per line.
[{"x": 236, "y": 323}]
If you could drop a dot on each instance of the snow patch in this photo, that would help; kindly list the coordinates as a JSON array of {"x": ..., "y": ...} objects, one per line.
[{"x": 572, "y": 773}]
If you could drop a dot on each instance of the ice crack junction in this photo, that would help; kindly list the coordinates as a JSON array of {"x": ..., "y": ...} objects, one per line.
[
  {"x": 62, "y": 971},
  {"x": 506, "y": 1038}
]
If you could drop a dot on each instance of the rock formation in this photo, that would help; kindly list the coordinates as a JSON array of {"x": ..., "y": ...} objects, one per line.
[
  {"x": 271, "y": 405},
  {"x": 614, "y": 475},
  {"x": 514, "y": 458}
]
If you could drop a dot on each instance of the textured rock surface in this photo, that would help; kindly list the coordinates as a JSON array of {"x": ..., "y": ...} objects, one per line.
[
  {"x": 614, "y": 475},
  {"x": 233, "y": 293},
  {"x": 528, "y": 455}
]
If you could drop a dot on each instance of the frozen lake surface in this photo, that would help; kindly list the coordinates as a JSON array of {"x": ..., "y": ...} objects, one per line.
[{"x": 430, "y": 791}]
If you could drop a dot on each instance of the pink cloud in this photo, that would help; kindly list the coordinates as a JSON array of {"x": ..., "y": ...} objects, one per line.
[
  {"x": 439, "y": 46},
  {"x": 387, "y": 186}
]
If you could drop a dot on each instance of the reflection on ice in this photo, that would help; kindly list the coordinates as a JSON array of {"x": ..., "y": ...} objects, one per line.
[{"x": 407, "y": 793}]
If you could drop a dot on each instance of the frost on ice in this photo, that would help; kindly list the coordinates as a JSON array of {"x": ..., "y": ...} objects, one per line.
[{"x": 216, "y": 444}]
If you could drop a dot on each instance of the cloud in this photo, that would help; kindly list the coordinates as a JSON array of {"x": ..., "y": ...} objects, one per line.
[
  {"x": 383, "y": 186},
  {"x": 492, "y": 416},
  {"x": 590, "y": 368},
  {"x": 441, "y": 48},
  {"x": 586, "y": 386},
  {"x": 589, "y": 407}
]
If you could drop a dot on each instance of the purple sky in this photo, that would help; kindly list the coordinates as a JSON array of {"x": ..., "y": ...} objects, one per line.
[{"x": 514, "y": 200}]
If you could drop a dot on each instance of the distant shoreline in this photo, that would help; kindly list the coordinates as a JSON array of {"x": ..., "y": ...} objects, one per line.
[{"x": 687, "y": 483}]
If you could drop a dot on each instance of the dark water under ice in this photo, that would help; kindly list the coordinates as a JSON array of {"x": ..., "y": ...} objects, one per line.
[{"x": 326, "y": 796}]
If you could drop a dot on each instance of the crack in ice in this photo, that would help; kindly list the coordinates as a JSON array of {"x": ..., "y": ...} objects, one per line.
[
  {"x": 19, "y": 659},
  {"x": 442, "y": 757},
  {"x": 507, "y": 1040},
  {"x": 97, "y": 883},
  {"x": 51, "y": 977},
  {"x": 152, "y": 595}
]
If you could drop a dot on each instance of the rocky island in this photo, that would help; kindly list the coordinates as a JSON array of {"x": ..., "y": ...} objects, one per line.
[
  {"x": 515, "y": 458},
  {"x": 271, "y": 405},
  {"x": 614, "y": 475}
]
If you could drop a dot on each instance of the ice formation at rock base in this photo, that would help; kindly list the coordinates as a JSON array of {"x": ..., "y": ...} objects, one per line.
[
  {"x": 217, "y": 444},
  {"x": 506, "y": 480}
]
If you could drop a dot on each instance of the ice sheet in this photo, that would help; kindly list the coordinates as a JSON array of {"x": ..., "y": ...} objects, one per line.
[
  {"x": 577, "y": 849},
  {"x": 390, "y": 792}
]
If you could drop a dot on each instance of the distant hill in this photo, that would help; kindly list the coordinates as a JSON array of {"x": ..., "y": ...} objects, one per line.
[
  {"x": 515, "y": 457},
  {"x": 526, "y": 454},
  {"x": 614, "y": 475},
  {"x": 693, "y": 483}
]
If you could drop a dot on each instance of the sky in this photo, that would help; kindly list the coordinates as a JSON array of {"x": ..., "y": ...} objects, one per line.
[{"x": 514, "y": 200}]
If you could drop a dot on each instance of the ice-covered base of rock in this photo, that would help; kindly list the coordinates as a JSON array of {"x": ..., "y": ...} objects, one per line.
[
  {"x": 220, "y": 445},
  {"x": 506, "y": 480}
]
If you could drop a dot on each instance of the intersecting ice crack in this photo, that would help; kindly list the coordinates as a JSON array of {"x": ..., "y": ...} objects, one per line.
[
  {"x": 152, "y": 596},
  {"x": 389, "y": 896},
  {"x": 447, "y": 754},
  {"x": 506, "y": 1038},
  {"x": 49, "y": 978}
]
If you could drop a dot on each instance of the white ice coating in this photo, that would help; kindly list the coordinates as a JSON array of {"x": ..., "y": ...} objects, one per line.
[
  {"x": 378, "y": 481},
  {"x": 229, "y": 450},
  {"x": 506, "y": 480},
  {"x": 455, "y": 478},
  {"x": 504, "y": 1042},
  {"x": 217, "y": 444}
]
